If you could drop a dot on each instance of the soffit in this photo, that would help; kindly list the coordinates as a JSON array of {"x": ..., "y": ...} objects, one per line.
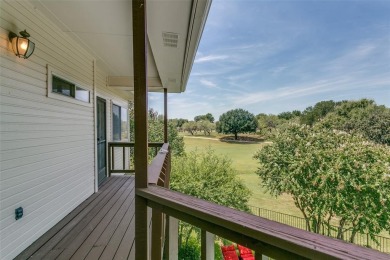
[{"x": 104, "y": 28}]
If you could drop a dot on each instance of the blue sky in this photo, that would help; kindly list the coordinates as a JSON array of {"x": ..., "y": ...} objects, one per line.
[{"x": 275, "y": 56}]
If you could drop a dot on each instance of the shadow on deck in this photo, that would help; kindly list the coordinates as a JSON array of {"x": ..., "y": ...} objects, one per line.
[{"x": 102, "y": 227}]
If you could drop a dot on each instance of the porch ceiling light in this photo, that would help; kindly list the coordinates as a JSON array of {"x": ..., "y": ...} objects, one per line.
[{"x": 21, "y": 45}]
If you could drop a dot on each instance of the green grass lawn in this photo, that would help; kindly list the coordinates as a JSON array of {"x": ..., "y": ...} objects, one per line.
[{"x": 241, "y": 155}]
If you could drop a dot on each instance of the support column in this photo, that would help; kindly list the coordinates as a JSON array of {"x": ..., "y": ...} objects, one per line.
[
  {"x": 141, "y": 126},
  {"x": 207, "y": 246},
  {"x": 165, "y": 115}
]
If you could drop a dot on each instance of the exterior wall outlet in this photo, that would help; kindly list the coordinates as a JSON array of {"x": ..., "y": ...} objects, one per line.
[{"x": 18, "y": 213}]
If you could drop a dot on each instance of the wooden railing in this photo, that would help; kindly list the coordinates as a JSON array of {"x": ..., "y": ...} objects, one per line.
[
  {"x": 159, "y": 169},
  {"x": 266, "y": 237},
  {"x": 377, "y": 242},
  {"x": 158, "y": 175},
  {"x": 125, "y": 156}
]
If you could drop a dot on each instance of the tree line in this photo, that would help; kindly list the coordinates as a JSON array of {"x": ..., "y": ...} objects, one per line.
[{"x": 333, "y": 158}]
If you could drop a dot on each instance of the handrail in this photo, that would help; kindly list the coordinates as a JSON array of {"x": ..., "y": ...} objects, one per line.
[
  {"x": 124, "y": 145},
  {"x": 383, "y": 244},
  {"x": 264, "y": 236},
  {"x": 157, "y": 170}
]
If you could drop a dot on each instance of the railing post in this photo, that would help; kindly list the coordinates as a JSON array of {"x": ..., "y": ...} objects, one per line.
[
  {"x": 207, "y": 246},
  {"x": 141, "y": 127},
  {"x": 165, "y": 115},
  {"x": 172, "y": 239},
  {"x": 109, "y": 160}
]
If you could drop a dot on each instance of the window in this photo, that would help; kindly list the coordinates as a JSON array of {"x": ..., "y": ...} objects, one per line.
[
  {"x": 116, "y": 123},
  {"x": 119, "y": 123},
  {"x": 66, "y": 88},
  {"x": 63, "y": 87}
]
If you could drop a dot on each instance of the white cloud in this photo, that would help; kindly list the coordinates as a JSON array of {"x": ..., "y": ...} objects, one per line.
[
  {"x": 208, "y": 83},
  {"x": 211, "y": 58},
  {"x": 327, "y": 85}
]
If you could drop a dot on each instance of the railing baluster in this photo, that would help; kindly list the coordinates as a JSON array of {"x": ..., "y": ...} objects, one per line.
[
  {"x": 157, "y": 234},
  {"x": 207, "y": 245},
  {"x": 172, "y": 238},
  {"x": 125, "y": 169},
  {"x": 113, "y": 158},
  {"x": 109, "y": 159},
  {"x": 123, "y": 158}
]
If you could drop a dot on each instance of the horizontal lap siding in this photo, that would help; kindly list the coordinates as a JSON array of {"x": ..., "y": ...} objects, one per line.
[{"x": 47, "y": 145}]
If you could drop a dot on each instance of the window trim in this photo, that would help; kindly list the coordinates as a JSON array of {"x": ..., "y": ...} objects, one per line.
[{"x": 55, "y": 72}]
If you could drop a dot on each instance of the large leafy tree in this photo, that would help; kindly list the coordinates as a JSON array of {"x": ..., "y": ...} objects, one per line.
[
  {"x": 289, "y": 115},
  {"x": 191, "y": 127},
  {"x": 237, "y": 121},
  {"x": 268, "y": 123},
  {"x": 206, "y": 126},
  {"x": 331, "y": 176},
  {"x": 209, "y": 117},
  {"x": 362, "y": 116},
  {"x": 312, "y": 115}
]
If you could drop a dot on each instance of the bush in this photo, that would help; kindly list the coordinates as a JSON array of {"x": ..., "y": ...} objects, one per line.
[{"x": 191, "y": 250}]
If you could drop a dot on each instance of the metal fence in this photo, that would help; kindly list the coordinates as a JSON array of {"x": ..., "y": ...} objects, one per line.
[{"x": 383, "y": 244}]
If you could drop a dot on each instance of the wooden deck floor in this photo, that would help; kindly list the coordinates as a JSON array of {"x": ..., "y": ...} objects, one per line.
[{"x": 102, "y": 227}]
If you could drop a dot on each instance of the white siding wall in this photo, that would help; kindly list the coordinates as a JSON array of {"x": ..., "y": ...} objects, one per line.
[{"x": 47, "y": 160}]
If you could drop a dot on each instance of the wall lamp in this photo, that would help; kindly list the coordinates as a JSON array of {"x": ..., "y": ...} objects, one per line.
[{"x": 22, "y": 46}]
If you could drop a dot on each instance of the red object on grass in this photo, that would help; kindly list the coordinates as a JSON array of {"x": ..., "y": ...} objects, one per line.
[
  {"x": 245, "y": 253},
  {"x": 247, "y": 257},
  {"x": 229, "y": 252}
]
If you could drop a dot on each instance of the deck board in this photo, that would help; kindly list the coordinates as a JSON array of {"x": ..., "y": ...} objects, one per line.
[{"x": 96, "y": 229}]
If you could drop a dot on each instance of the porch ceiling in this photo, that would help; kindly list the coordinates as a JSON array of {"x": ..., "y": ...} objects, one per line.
[{"x": 104, "y": 28}]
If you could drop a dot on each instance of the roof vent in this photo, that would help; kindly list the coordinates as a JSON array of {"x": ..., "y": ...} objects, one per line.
[
  {"x": 170, "y": 39},
  {"x": 171, "y": 80}
]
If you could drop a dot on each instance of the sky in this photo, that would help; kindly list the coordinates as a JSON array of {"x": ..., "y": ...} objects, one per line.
[{"x": 275, "y": 56}]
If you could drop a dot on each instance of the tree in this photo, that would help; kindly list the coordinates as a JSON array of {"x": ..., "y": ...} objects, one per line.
[
  {"x": 190, "y": 127},
  {"x": 237, "y": 121},
  {"x": 312, "y": 115},
  {"x": 206, "y": 126},
  {"x": 156, "y": 132},
  {"x": 331, "y": 175},
  {"x": 289, "y": 115},
  {"x": 206, "y": 175},
  {"x": 208, "y": 117},
  {"x": 180, "y": 122},
  {"x": 268, "y": 123},
  {"x": 362, "y": 116}
]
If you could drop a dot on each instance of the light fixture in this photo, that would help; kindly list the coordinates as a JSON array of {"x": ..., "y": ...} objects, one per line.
[{"x": 22, "y": 46}]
